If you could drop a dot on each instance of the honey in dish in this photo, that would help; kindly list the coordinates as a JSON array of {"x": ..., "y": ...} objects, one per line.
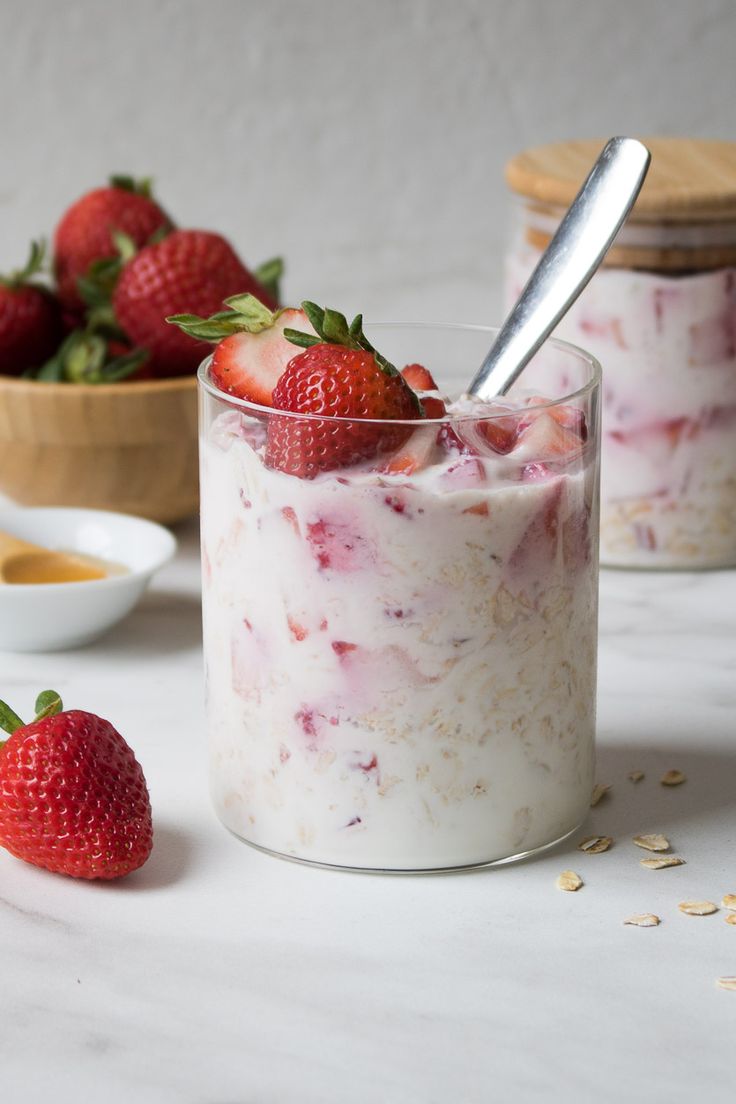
[{"x": 51, "y": 567}]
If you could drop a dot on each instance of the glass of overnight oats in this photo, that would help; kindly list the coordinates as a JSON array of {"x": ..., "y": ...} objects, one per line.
[
  {"x": 661, "y": 316},
  {"x": 400, "y": 613}
]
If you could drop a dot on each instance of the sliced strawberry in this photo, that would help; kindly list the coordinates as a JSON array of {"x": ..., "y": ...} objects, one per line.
[
  {"x": 250, "y": 365},
  {"x": 414, "y": 455},
  {"x": 419, "y": 378},
  {"x": 252, "y": 351}
]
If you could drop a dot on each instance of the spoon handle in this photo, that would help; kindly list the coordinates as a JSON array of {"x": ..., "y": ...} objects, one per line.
[{"x": 581, "y": 242}]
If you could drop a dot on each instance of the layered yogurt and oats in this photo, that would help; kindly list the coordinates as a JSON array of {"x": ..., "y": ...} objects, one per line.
[{"x": 401, "y": 659}]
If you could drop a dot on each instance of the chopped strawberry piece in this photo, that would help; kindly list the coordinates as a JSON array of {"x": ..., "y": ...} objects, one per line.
[
  {"x": 419, "y": 378},
  {"x": 547, "y": 439},
  {"x": 449, "y": 440},
  {"x": 480, "y": 508},
  {"x": 434, "y": 407},
  {"x": 369, "y": 767},
  {"x": 342, "y": 647},
  {"x": 335, "y": 546},
  {"x": 297, "y": 631},
  {"x": 538, "y": 545},
  {"x": 535, "y": 473},
  {"x": 576, "y": 538},
  {"x": 305, "y": 719},
  {"x": 468, "y": 435},
  {"x": 569, "y": 417},
  {"x": 414, "y": 455},
  {"x": 289, "y": 514},
  {"x": 466, "y": 474}
]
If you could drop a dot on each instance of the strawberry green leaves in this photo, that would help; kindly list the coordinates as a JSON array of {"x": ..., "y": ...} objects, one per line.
[
  {"x": 269, "y": 276},
  {"x": 85, "y": 357},
  {"x": 32, "y": 267},
  {"x": 332, "y": 327},
  {"x": 48, "y": 703},
  {"x": 9, "y": 719},
  {"x": 245, "y": 314}
]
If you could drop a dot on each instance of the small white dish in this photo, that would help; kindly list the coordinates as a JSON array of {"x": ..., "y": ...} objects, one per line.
[{"x": 41, "y": 617}]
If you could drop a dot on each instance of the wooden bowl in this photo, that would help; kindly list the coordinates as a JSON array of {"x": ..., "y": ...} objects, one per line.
[{"x": 130, "y": 447}]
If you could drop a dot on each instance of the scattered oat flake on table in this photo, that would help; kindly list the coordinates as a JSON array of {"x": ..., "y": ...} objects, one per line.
[
  {"x": 636, "y": 776},
  {"x": 599, "y": 790},
  {"x": 697, "y": 908},
  {"x": 643, "y": 920},
  {"x": 731, "y": 918},
  {"x": 593, "y": 845},
  {"x": 727, "y": 982},
  {"x": 673, "y": 778},
  {"x": 729, "y": 901},
  {"x": 661, "y": 863},
  {"x": 654, "y": 841},
  {"x": 569, "y": 881}
]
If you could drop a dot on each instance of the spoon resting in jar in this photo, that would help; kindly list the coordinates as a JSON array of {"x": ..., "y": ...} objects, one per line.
[{"x": 582, "y": 240}]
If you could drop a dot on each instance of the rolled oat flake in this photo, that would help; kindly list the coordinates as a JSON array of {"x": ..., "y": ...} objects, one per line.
[{"x": 697, "y": 908}]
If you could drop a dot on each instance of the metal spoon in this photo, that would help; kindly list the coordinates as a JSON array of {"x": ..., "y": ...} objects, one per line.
[{"x": 581, "y": 242}]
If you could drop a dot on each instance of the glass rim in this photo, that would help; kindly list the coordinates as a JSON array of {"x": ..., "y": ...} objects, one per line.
[{"x": 566, "y": 347}]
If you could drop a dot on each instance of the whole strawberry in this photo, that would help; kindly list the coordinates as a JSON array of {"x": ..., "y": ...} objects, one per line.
[
  {"x": 73, "y": 798},
  {"x": 339, "y": 375},
  {"x": 85, "y": 233},
  {"x": 190, "y": 271},
  {"x": 30, "y": 319}
]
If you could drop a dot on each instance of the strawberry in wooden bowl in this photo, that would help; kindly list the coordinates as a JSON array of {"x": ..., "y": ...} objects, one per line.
[{"x": 97, "y": 392}]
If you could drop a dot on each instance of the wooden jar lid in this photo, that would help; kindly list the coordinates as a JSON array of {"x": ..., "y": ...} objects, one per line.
[{"x": 684, "y": 218}]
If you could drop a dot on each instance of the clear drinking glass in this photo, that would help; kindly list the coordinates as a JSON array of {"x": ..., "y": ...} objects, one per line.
[{"x": 401, "y": 665}]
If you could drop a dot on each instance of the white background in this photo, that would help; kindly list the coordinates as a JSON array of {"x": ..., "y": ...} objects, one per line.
[{"x": 364, "y": 141}]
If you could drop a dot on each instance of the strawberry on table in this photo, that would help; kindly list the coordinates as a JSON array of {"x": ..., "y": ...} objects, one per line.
[
  {"x": 190, "y": 271},
  {"x": 339, "y": 375},
  {"x": 251, "y": 351},
  {"x": 85, "y": 232},
  {"x": 73, "y": 798},
  {"x": 30, "y": 318}
]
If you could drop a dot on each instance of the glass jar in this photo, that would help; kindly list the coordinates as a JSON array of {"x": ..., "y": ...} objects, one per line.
[
  {"x": 661, "y": 316},
  {"x": 401, "y": 654}
]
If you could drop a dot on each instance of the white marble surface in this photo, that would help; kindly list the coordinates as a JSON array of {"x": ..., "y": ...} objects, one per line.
[{"x": 217, "y": 975}]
